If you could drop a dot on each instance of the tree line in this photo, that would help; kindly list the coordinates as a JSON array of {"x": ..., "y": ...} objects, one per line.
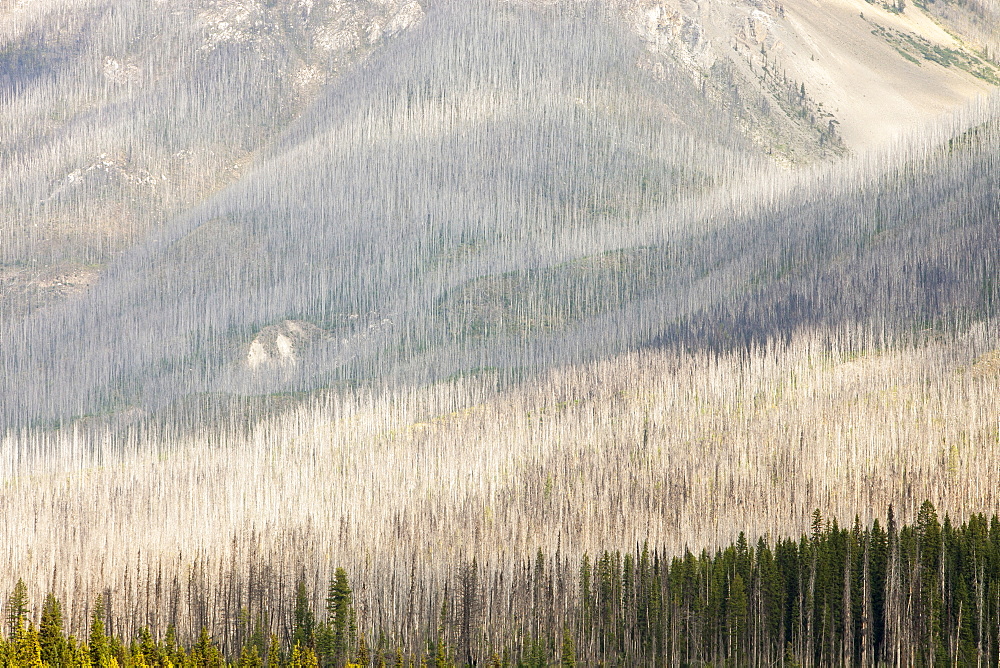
[{"x": 920, "y": 594}]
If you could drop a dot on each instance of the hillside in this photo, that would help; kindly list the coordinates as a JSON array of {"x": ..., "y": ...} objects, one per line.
[
  {"x": 117, "y": 118},
  {"x": 677, "y": 450},
  {"x": 873, "y": 70},
  {"x": 419, "y": 290},
  {"x": 467, "y": 172},
  {"x": 541, "y": 207}
]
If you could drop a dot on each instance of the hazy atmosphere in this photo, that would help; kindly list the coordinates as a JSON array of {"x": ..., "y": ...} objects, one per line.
[{"x": 499, "y": 332}]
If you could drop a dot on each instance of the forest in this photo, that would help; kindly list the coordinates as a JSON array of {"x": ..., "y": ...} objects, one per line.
[
  {"x": 865, "y": 595},
  {"x": 499, "y": 333}
]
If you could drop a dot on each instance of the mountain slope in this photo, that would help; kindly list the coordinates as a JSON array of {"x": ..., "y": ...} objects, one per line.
[
  {"x": 872, "y": 71},
  {"x": 411, "y": 174},
  {"x": 427, "y": 217},
  {"x": 115, "y": 117},
  {"x": 440, "y": 291}
]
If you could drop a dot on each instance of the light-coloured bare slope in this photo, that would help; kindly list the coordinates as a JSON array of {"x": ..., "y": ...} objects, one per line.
[
  {"x": 843, "y": 52},
  {"x": 875, "y": 70}
]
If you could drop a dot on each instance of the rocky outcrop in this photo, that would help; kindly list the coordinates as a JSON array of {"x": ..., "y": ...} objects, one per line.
[{"x": 282, "y": 344}]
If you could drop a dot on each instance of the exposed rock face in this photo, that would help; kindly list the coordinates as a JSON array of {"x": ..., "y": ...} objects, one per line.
[
  {"x": 408, "y": 16},
  {"x": 280, "y": 345}
]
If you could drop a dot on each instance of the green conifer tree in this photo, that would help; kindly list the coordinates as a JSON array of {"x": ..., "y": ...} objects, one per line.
[
  {"x": 50, "y": 632},
  {"x": 137, "y": 658},
  {"x": 274, "y": 658},
  {"x": 174, "y": 652},
  {"x": 339, "y": 612},
  {"x": 148, "y": 647},
  {"x": 364, "y": 656},
  {"x": 309, "y": 659},
  {"x": 100, "y": 653},
  {"x": 257, "y": 638},
  {"x": 295, "y": 660},
  {"x": 17, "y": 608},
  {"x": 77, "y": 654},
  {"x": 250, "y": 657},
  {"x": 737, "y": 618},
  {"x": 930, "y": 544},
  {"x": 304, "y": 631},
  {"x": 26, "y": 652},
  {"x": 568, "y": 659},
  {"x": 586, "y": 595},
  {"x": 205, "y": 654}
]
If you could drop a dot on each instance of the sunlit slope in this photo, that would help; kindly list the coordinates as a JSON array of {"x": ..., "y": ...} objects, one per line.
[
  {"x": 677, "y": 450},
  {"x": 879, "y": 71},
  {"x": 870, "y": 70}
]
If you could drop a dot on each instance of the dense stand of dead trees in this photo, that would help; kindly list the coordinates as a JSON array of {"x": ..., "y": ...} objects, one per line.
[
  {"x": 670, "y": 448},
  {"x": 564, "y": 327},
  {"x": 922, "y": 595}
]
